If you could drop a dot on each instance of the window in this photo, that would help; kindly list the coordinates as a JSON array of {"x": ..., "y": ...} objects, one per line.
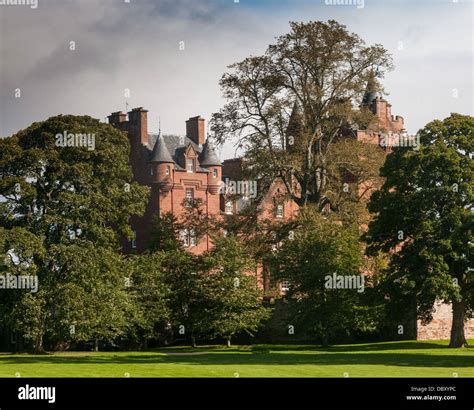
[
  {"x": 134, "y": 240},
  {"x": 192, "y": 237},
  {"x": 229, "y": 207},
  {"x": 279, "y": 211},
  {"x": 168, "y": 170},
  {"x": 285, "y": 285},
  {"x": 215, "y": 172},
  {"x": 188, "y": 237},
  {"x": 189, "y": 164},
  {"x": 151, "y": 170},
  {"x": 189, "y": 197},
  {"x": 184, "y": 237}
]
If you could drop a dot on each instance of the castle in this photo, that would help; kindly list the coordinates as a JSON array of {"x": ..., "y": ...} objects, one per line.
[{"x": 186, "y": 167}]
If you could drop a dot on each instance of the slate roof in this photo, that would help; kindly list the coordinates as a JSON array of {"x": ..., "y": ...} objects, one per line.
[
  {"x": 371, "y": 92},
  {"x": 176, "y": 145},
  {"x": 209, "y": 156},
  {"x": 160, "y": 151}
]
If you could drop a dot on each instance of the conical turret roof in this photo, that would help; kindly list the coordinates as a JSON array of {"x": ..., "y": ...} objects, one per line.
[
  {"x": 372, "y": 89},
  {"x": 209, "y": 156},
  {"x": 160, "y": 151},
  {"x": 295, "y": 121}
]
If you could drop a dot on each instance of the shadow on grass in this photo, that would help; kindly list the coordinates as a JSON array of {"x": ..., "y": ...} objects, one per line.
[
  {"x": 282, "y": 357},
  {"x": 366, "y": 347}
]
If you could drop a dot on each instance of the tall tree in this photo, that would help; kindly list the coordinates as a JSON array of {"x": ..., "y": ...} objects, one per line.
[
  {"x": 236, "y": 300},
  {"x": 150, "y": 295},
  {"x": 425, "y": 212},
  {"x": 72, "y": 197},
  {"x": 188, "y": 299},
  {"x": 320, "y": 251},
  {"x": 289, "y": 107}
]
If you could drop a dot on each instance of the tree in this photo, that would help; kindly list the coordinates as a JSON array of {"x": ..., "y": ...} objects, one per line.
[
  {"x": 290, "y": 107},
  {"x": 424, "y": 211},
  {"x": 21, "y": 310},
  {"x": 213, "y": 294},
  {"x": 165, "y": 233},
  {"x": 321, "y": 251},
  {"x": 236, "y": 301},
  {"x": 90, "y": 299},
  {"x": 150, "y": 294},
  {"x": 75, "y": 200},
  {"x": 188, "y": 299}
]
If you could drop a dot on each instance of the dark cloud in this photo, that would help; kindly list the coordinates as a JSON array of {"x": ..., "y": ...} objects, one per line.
[{"x": 136, "y": 46}]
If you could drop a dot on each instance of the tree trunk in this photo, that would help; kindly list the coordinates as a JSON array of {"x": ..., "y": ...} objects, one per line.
[
  {"x": 193, "y": 341},
  {"x": 325, "y": 340},
  {"x": 96, "y": 345},
  {"x": 39, "y": 344},
  {"x": 228, "y": 341},
  {"x": 458, "y": 338}
]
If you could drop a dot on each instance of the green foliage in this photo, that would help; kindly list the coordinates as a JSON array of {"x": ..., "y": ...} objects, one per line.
[
  {"x": 288, "y": 107},
  {"x": 188, "y": 299},
  {"x": 425, "y": 211},
  {"x": 63, "y": 212},
  {"x": 165, "y": 233},
  {"x": 234, "y": 292},
  {"x": 322, "y": 247},
  {"x": 149, "y": 292},
  {"x": 210, "y": 295}
]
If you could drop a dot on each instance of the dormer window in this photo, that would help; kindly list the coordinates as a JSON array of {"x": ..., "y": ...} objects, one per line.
[{"x": 189, "y": 165}]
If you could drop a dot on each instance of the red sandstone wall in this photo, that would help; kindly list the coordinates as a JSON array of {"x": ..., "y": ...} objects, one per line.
[
  {"x": 268, "y": 203},
  {"x": 440, "y": 326}
]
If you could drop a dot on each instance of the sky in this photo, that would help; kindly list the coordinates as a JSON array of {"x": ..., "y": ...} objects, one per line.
[{"x": 135, "y": 48}]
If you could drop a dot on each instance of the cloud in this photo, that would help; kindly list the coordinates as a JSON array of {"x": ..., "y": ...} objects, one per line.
[{"x": 136, "y": 46}]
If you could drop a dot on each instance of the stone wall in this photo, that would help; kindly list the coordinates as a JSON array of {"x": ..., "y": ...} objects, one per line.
[{"x": 440, "y": 326}]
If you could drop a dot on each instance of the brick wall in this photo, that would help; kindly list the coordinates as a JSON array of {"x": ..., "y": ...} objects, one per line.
[{"x": 440, "y": 326}]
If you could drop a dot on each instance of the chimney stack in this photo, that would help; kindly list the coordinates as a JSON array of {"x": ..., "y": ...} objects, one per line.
[
  {"x": 195, "y": 130},
  {"x": 117, "y": 117},
  {"x": 138, "y": 125}
]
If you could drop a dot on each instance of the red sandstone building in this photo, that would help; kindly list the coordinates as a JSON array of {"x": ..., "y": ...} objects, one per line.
[{"x": 187, "y": 167}]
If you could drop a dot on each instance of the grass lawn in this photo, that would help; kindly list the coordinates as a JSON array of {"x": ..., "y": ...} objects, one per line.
[{"x": 390, "y": 359}]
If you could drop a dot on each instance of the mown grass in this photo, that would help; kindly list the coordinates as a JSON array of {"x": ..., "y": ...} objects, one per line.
[{"x": 390, "y": 359}]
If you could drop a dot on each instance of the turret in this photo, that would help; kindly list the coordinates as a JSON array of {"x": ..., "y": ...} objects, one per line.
[
  {"x": 295, "y": 125},
  {"x": 371, "y": 92},
  {"x": 210, "y": 160},
  {"x": 161, "y": 165}
]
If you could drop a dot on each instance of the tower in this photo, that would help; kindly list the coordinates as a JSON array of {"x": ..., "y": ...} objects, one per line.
[
  {"x": 210, "y": 160},
  {"x": 161, "y": 165}
]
